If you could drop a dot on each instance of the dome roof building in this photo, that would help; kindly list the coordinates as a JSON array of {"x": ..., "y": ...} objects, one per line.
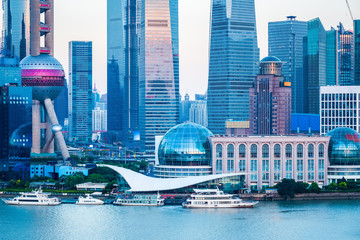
[{"x": 344, "y": 147}]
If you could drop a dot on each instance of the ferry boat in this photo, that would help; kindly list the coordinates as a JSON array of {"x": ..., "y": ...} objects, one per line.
[
  {"x": 214, "y": 198},
  {"x": 89, "y": 200},
  {"x": 37, "y": 198},
  {"x": 140, "y": 200}
]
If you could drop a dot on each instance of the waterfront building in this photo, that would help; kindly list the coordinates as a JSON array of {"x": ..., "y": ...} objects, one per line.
[
  {"x": 158, "y": 70},
  {"x": 15, "y": 132},
  {"x": 99, "y": 120},
  {"x": 15, "y": 35},
  {"x": 314, "y": 64},
  {"x": 339, "y": 107},
  {"x": 270, "y": 100},
  {"x": 233, "y": 56},
  {"x": 10, "y": 72},
  {"x": 344, "y": 155},
  {"x": 184, "y": 151},
  {"x": 46, "y": 77},
  {"x": 56, "y": 171},
  {"x": 269, "y": 159},
  {"x": 198, "y": 112},
  {"x": 303, "y": 123},
  {"x": 80, "y": 91},
  {"x": 89, "y": 186},
  {"x": 285, "y": 40},
  {"x": 357, "y": 51}
]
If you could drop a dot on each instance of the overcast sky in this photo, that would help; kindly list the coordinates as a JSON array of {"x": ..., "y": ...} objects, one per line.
[{"x": 86, "y": 20}]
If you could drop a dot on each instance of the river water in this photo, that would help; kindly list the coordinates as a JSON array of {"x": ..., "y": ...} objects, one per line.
[{"x": 268, "y": 220}]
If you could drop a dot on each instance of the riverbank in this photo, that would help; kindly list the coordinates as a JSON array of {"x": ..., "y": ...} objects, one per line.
[{"x": 304, "y": 196}]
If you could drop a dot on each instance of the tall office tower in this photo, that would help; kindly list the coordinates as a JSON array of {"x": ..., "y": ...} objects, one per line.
[
  {"x": 99, "y": 121},
  {"x": 234, "y": 56},
  {"x": 314, "y": 64},
  {"x": 80, "y": 91},
  {"x": 123, "y": 24},
  {"x": 332, "y": 37},
  {"x": 286, "y": 42},
  {"x": 15, "y": 36},
  {"x": 198, "y": 113},
  {"x": 185, "y": 106},
  {"x": 61, "y": 105},
  {"x": 158, "y": 70},
  {"x": 270, "y": 100},
  {"x": 45, "y": 75},
  {"x": 357, "y": 51},
  {"x": 346, "y": 56}
]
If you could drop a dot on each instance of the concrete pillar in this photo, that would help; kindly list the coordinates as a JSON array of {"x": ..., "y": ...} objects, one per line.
[
  {"x": 58, "y": 134},
  {"x": 36, "y": 139},
  {"x": 48, "y": 137},
  {"x": 35, "y": 27},
  {"x": 49, "y": 20}
]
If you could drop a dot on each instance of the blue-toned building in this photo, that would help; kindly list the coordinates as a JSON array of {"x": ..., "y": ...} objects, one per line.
[
  {"x": 234, "y": 55},
  {"x": 80, "y": 91},
  {"x": 332, "y": 57},
  {"x": 315, "y": 64},
  {"x": 285, "y": 40},
  {"x": 10, "y": 72},
  {"x": 15, "y": 35},
  {"x": 346, "y": 56},
  {"x": 357, "y": 51},
  {"x": 305, "y": 123},
  {"x": 61, "y": 106}
]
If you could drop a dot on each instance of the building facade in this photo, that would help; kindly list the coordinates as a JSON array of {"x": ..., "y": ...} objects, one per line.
[
  {"x": 314, "y": 64},
  {"x": 270, "y": 100},
  {"x": 15, "y": 35},
  {"x": 80, "y": 91},
  {"x": 198, "y": 113},
  {"x": 339, "y": 107},
  {"x": 99, "y": 120},
  {"x": 346, "y": 56},
  {"x": 233, "y": 56},
  {"x": 269, "y": 159},
  {"x": 357, "y": 51},
  {"x": 332, "y": 61},
  {"x": 285, "y": 40}
]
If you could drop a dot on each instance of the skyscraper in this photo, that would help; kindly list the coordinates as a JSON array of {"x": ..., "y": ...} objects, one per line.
[
  {"x": 158, "y": 70},
  {"x": 234, "y": 56},
  {"x": 286, "y": 42},
  {"x": 80, "y": 91},
  {"x": 15, "y": 36},
  {"x": 357, "y": 51},
  {"x": 332, "y": 57},
  {"x": 346, "y": 56},
  {"x": 270, "y": 100},
  {"x": 315, "y": 61}
]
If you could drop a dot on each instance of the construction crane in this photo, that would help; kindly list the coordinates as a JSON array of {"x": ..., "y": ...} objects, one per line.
[{"x": 349, "y": 9}]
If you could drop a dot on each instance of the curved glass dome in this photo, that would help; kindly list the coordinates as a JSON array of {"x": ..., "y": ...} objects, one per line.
[
  {"x": 186, "y": 144},
  {"x": 344, "y": 147},
  {"x": 270, "y": 59}
]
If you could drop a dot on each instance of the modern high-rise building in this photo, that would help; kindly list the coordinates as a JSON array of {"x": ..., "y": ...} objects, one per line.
[
  {"x": 15, "y": 35},
  {"x": 270, "y": 100},
  {"x": 123, "y": 32},
  {"x": 61, "y": 105},
  {"x": 346, "y": 56},
  {"x": 332, "y": 61},
  {"x": 286, "y": 42},
  {"x": 185, "y": 106},
  {"x": 339, "y": 107},
  {"x": 99, "y": 121},
  {"x": 80, "y": 91},
  {"x": 357, "y": 51},
  {"x": 10, "y": 72},
  {"x": 198, "y": 113},
  {"x": 158, "y": 70},
  {"x": 314, "y": 64},
  {"x": 234, "y": 55}
]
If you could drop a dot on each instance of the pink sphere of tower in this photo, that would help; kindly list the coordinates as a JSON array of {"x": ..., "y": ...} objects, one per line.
[{"x": 44, "y": 74}]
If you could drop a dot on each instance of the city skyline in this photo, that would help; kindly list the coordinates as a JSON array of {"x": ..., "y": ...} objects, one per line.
[{"x": 193, "y": 51}]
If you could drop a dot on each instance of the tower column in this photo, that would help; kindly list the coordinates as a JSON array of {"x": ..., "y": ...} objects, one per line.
[
  {"x": 35, "y": 27},
  {"x": 36, "y": 126},
  {"x": 49, "y": 20},
  {"x": 49, "y": 137}
]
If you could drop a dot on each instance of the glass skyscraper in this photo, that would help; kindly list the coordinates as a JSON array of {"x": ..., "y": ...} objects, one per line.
[
  {"x": 357, "y": 51},
  {"x": 15, "y": 36},
  {"x": 80, "y": 91},
  {"x": 314, "y": 64},
  {"x": 285, "y": 41},
  {"x": 234, "y": 55},
  {"x": 331, "y": 57},
  {"x": 346, "y": 56}
]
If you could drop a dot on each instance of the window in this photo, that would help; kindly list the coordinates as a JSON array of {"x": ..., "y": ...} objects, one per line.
[
  {"x": 265, "y": 165},
  {"x": 288, "y": 151},
  {"x": 265, "y": 176},
  {"x": 321, "y": 150},
  {"x": 218, "y": 165},
  {"x": 321, "y": 165},
  {"x": 230, "y": 151},
  {"x": 253, "y": 151},
  {"x": 288, "y": 165},
  {"x": 253, "y": 165},
  {"x": 300, "y": 165},
  {"x": 321, "y": 176},
  {"x": 265, "y": 151},
  {"x": 277, "y": 176},
  {"x": 310, "y": 176},
  {"x": 219, "y": 151},
  {"x": 242, "y": 167},
  {"x": 230, "y": 165},
  {"x": 311, "y": 151},
  {"x": 277, "y": 151},
  {"x": 311, "y": 165},
  {"x": 277, "y": 166},
  {"x": 242, "y": 150},
  {"x": 300, "y": 176},
  {"x": 300, "y": 151}
]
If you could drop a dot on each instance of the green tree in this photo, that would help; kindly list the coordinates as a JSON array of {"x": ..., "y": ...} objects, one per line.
[
  {"x": 314, "y": 188},
  {"x": 286, "y": 188},
  {"x": 333, "y": 186},
  {"x": 96, "y": 178},
  {"x": 301, "y": 187},
  {"x": 343, "y": 185},
  {"x": 72, "y": 180},
  {"x": 351, "y": 184}
]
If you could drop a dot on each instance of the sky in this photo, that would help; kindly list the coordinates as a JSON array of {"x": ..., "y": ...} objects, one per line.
[{"x": 85, "y": 20}]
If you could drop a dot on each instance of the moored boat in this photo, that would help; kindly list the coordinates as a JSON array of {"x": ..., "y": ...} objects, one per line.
[
  {"x": 37, "y": 198},
  {"x": 214, "y": 198},
  {"x": 140, "y": 200},
  {"x": 89, "y": 200}
]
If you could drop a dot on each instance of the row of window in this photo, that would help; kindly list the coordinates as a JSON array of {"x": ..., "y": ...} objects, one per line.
[{"x": 265, "y": 151}]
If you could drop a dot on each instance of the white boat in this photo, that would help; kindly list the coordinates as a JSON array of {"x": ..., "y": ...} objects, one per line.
[
  {"x": 140, "y": 200},
  {"x": 89, "y": 200},
  {"x": 37, "y": 198},
  {"x": 214, "y": 198}
]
